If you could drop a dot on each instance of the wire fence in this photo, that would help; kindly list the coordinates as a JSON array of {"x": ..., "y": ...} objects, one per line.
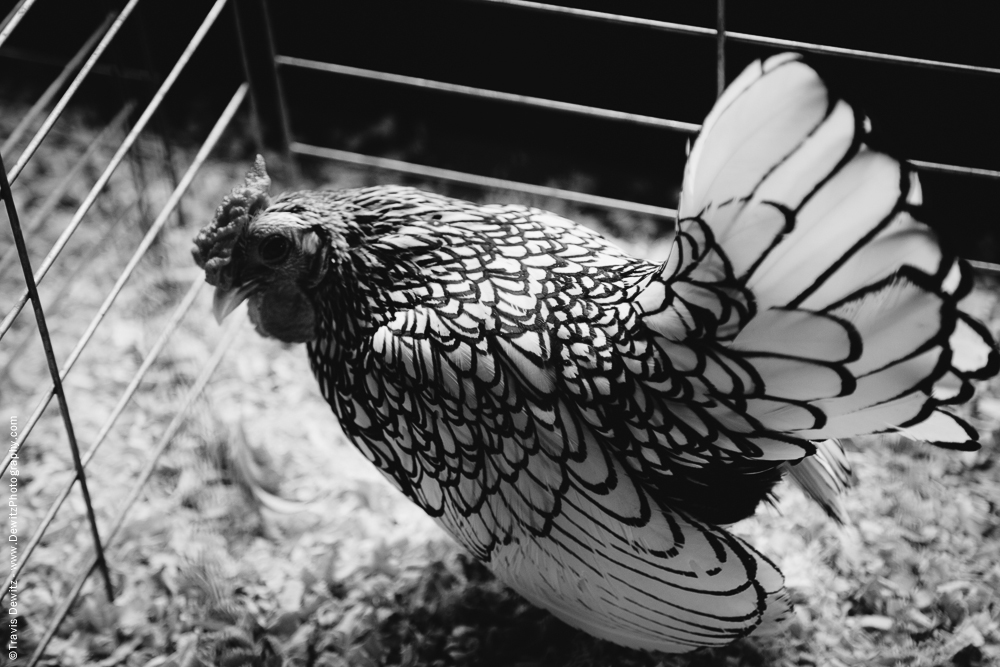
[{"x": 83, "y": 63}]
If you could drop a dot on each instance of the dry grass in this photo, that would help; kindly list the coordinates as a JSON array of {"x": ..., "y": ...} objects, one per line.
[{"x": 264, "y": 538}]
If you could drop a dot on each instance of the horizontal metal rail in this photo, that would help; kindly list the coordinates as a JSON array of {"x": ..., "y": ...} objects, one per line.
[
  {"x": 437, "y": 173},
  {"x": 139, "y": 253},
  {"x": 991, "y": 268},
  {"x": 956, "y": 169},
  {"x": 747, "y": 38},
  {"x": 154, "y": 104},
  {"x": 229, "y": 334},
  {"x": 554, "y": 105},
  {"x": 483, "y": 93}
]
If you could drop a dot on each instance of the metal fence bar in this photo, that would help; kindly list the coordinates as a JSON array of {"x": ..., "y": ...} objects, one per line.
[
  {"x": 956, "y": 169},
  {"x": 720, "y": 47},
  {"x": 284, "y": 123},
  {"x": 53, "y": 116},
  {"x": 40, "y": 216},
  {"x": 748, "y": 38},
  {"x": 210, "y": 142},
  {"x": 859, "y": 54},
  {"x": 154, "y": 104},
  {"x": 596, "y": 112},
  {"x": 483, "y": 93},
  {"x": 147, "y": 363},
  {"x": 229, "y": 334},
  {"x": 984, "y": 267},
  {"x": 255, "y": 127},
  {"x": 13, "y": 18},
  {"x": 480, "y": 181},
  {"x": 140, "y": 251},
  {"x": 57, "y": 388},
  {"x": 54, "y": 87}
]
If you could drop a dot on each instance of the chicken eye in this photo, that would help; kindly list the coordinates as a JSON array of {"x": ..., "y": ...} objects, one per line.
[{"x": 274, "y": 248}]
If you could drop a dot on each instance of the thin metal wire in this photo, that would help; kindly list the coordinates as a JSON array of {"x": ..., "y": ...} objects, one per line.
[
  {"x": 40, "y": 216},
  {"x": 748, "y": 38},
  {"x": 53, "y": 116},
  {"x": 57, "y": 388},
  {"x": 13, "y": 18},
  {"x": 858, "y": 54},
  {"x": 553, "y": 105},
  {"x": 147, "y": 363},
  {"x": 596, "y": 112},
  {"x": 255, "y": 127},
  {"x": 54, "y": 87},
  {"x": 154, "y": 104},
  {"x": 984, "y": 267},
  {"x": 284, "y": 119},
  {"x": 480, "y": 181},
  {"x": 140, "y": 251},
  {"x": 229, "y": 334},
  {"x": 720, "y": 47},
  {"x": 956, "y": 169}
]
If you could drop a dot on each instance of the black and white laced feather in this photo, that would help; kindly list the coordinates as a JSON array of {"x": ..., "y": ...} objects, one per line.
[{"x": 586, "y": 422}]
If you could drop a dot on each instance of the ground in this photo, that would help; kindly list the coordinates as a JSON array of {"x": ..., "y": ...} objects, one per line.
[{"x": 264, "y": 538}]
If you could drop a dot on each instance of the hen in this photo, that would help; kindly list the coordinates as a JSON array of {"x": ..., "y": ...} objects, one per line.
[{"x": 584, "y": 421}]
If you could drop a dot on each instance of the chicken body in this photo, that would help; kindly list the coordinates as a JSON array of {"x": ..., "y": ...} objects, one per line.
[{"x": 584, "y": 421}]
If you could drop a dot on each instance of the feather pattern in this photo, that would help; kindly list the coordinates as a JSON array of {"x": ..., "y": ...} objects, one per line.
[
  {"x": 585, "y": 421},
  {"x": 825, "y": 477}
]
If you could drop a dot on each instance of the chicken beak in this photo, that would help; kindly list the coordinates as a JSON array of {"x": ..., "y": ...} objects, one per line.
[{"x": 228, "y": 300}]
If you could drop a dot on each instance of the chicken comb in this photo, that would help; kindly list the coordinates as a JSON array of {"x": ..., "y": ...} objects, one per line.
[{"x": 214, "y": 244}]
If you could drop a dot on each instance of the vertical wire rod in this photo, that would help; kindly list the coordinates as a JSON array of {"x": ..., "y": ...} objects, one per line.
[
  {"x": 140, "y": 251},
  {"x": 53, "y": 116},
  {"x": 229, "y": 333},
  {"x": 116, "y": 160},
  {"x": 147, "y": 362},
  {"x": 57, "y": 387},
  {"x": 13, "y": 18},
  {"x": 720, "y": 47},
  {"x": 55, "y": 86},
  {"x": 39, "y": 217},
  {"x": 284, "y": 123},
  {"x": 255, "y": 125}
]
